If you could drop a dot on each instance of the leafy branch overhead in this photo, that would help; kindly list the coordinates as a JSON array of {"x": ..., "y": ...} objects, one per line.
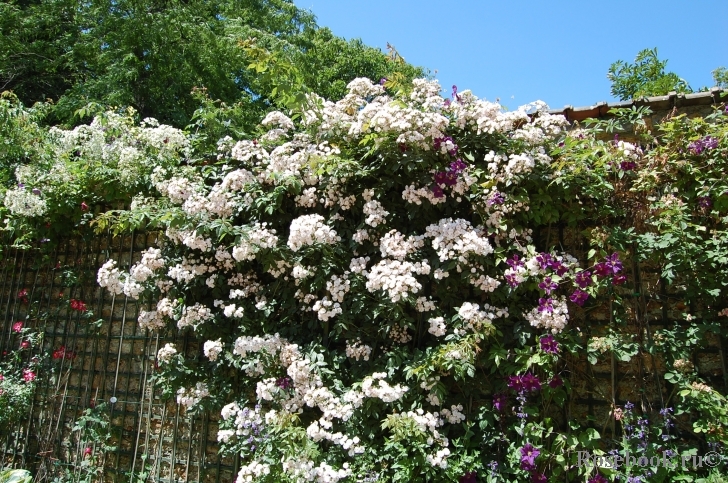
[{"x": 645, "y": 78}]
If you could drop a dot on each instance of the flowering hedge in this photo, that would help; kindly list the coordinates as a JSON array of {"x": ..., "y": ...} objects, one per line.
[{"x": 366, "y": 291}]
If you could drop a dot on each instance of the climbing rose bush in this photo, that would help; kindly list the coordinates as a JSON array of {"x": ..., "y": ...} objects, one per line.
[
  {"x": 344, "y": 273},
  {"x": 366, "y": 297}
]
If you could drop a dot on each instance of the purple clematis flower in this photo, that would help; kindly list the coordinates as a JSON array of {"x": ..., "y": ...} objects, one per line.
[
  {"x": 458, "y": 165},
  {"x": 618, "y": 279},
  {"x": 528, "y": 457},
  {"x": 469, "y": 477},
  {"x": 512, "y": 280},
  {"x": 556, "y": 382},
  {"x": 545, "y": 305},
  {"x": 583, "y": 279},
  {"x": 496, "y": 198},
  {"x": 549, "y": 345},
  {"x": 515, "y": 262},
  {"x": 579, "y": 297},
  {"x": 437, "y": 191},
  {"x": 515, "y": 383},
  {"x": 538, "y": 478},
  {"x": 705, "y": 202},
  {"x": 547, "y": 285},
  {"x": 614, "y": 263},
  {"x": 627, "y": 165},
  {"x": 544, "y": 260},
  {"x": 530, "y": 382}
]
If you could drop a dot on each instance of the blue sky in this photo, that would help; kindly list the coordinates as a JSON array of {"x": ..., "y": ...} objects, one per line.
[{"x": 519, "y": 51}]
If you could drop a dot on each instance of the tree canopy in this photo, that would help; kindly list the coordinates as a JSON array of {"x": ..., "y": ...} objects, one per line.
[{"x": 151, "y": 54}]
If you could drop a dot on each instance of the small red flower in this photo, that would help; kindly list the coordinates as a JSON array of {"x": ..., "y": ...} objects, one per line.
[
  {"x": 28, "y": 375},
  {"x": 2, "y": 377},
  {"x": 78, "y": 305},
  {"x": 87, "y": 451},
  {"x": 25, "y": 344},
  {"x": 17, "y": 326},
  {"x": 23, "y": 295},
  {"x": 63, "y": 353},
  {"x": 84, "y": 206}
]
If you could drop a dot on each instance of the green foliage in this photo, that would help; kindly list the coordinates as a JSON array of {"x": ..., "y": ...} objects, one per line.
[
  {"x": 720, "y": 77},
  {"x": 153, "y": 56},
  {"x": 330, "y": 62},
  {"x": 646, "y": 77},
  {"x": 15, "y": 476}
]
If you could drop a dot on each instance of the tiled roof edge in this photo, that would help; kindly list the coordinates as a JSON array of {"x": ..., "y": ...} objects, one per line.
[{"x": 657, "y": 103}]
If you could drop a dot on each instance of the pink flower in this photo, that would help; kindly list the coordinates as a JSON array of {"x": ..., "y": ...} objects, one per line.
[
  {"x": 17, "y": 326},
  {"x": 87, "y": 451},
  {"x": 84, "y": 206},
  {"x": 28, "y": 375},
  {"x": 25, "y": 344}
]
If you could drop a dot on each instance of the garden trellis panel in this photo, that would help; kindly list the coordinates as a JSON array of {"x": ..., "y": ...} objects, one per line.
[{"x": 112, "y": 360}]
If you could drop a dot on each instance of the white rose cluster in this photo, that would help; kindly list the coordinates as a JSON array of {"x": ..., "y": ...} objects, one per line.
[
  {"x": 358, "y": 350},
  {"x": 395, "y": 245},
  {"x": 194, "y": 316},
  {"x": 309, "y": 230},
  {"x": 301, "y": 469},
  {"x": 326, "y": 309},
  {"x": 552, "y": 317},
  {"x": 192, "y": 396},
  {"x": 251, "y": 472},
  {"x": 213, "y": 349},
  {"x": 166, "y": 354},
  {"x": 396, "y": 278},
  {"x": 109, "y": 277},
  {"x": 437, "y": 326},
  {"x": 457, "y": 240},
  {"x": 258, "y": 238},
  {"x": 376, "y": 386},
  {"x": 24, "y": 202}
]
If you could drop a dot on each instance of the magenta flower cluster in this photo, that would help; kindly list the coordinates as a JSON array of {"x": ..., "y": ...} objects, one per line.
[
  {"x": 525, "y": 383},
  {"x": 449, "y": 177}
]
